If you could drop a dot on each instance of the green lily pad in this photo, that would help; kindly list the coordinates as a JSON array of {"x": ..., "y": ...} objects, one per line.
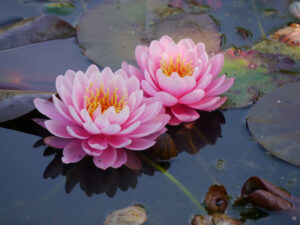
[
  {"x": 274, "y": 123},
  {"x": 32, "y": 30},
  {"x": 255, "y": 75},
  {"x": 59, "y": 8},
  {"x": 15, "y": 103},
  {"x": 109, "y": 33}
]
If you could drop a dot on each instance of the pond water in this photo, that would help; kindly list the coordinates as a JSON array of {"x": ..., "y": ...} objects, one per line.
[{"x": 36, "y": 188}]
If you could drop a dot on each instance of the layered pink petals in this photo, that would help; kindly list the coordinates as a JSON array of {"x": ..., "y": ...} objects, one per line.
[
  {"x": 182, "y": 76},
  {"x": 103, "y": 115}
]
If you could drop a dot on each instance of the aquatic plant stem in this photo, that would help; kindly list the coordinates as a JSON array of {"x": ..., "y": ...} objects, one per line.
[
  {"x": 258, "y": 21},
  {"x": 176, "y": 182}
]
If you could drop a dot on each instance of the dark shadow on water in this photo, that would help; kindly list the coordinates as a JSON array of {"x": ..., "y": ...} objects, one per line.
[{"x": 189, "y": 137}]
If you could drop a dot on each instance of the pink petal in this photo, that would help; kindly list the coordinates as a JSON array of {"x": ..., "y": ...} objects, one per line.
[
  {"x": 148, "y": 88},
  {"x": 184, "y": 113},
  {"x": 106, "y": 159},
  {"x": 132, "y": 85},
  {"x": 206, "y": 103},
  {"x": 91, "y": 128},
  {"x": 166, "y": 98},
  {"x": 78, "y": 93},
  {"x": 75, "y": 115},
  {"x": 111, "y": 129},
  {"x": 56, "y": 142},
  {"x": 204, "y": 82},
  {"x": 192, "y": 97},
  {"x": 129, "y": 129},
  {"x": 98, "y": 142},
  {"x": 133, "y": 162},
  {"x": 151, "y": 80},
  {"x": 118, "y": 118},
  {"x": 140, "y": 144},
  {"x": 48, "y": 109},
  {"x": 184, "y": 45},
  {"x": 135, "y": 115},
  {"x": 151, "y": 111},
  {"x": 139, "y": 50},
  {"x": 73, "y": 152},
  {"x": 173, "y": 84},
  {"x": 57, "y": 128},
  {"x": 121, "y": 158},
  {"x": 145, "y": 130},
  {"x": 90, "y": 150},
  {"x": 101, "y": 122},
  {"x": 61, "y": 108},
  {"x": 91, "y": 70},
  {"x": 217, "y": 62},
  {"x": 64, "y": 90},
  {"x": 220, "y": 89},
  {"x": 78, "y": 132},
  {"x": 118, "y": 141}
]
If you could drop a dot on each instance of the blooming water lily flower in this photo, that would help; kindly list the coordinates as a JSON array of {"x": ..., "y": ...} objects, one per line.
[
  {"x": 104, "y": 115},
  {"x": 182, "y": 76}
]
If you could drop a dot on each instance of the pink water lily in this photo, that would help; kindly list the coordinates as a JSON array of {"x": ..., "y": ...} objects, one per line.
[
  {"x": 102, "y": 114},
  {"x": 182, "y": 76}
]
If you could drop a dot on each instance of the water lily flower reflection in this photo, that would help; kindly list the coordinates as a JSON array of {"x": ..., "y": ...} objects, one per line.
[
  {"x": 182, "y": 76},
  {"x": 103, "y": 115}
]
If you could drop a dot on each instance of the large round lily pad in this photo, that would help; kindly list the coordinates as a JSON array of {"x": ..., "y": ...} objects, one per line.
[
  {"x": 274, "y": 122},
  {"x": 110, "y": 32},
  {"x": 256, "y": 74}
]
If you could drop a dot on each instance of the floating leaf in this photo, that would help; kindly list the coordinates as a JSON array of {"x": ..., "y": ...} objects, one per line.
[
  {"x": 285, "y": 41},
  {"x": 34, "y": 30},
  {"x": 110, "y": 32},
  {"x": 216, "y": 199},
  {"x": 60, "y": 8},
  {"x": 274, "y": 122},
  {"x": 14, "y": 104},
  {"x": 289, "y": 35},
  {"x": 264, "y": 194},
  {"x": 132, "y": 215},
  {"x": 255, "y": 75}
]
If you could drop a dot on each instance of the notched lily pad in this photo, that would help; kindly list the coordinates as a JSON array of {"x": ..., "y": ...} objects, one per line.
[
  {"x": 15, "y": 103},
  {"x": 109, "y": 33},
  {"x": 36, "y": 29},
  {"x": 274, "y": 123},
  {"x": 256, "y": 74},
  {"x": 132, "y": 215}
]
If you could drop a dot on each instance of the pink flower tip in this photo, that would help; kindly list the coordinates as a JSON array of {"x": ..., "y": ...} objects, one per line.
[
  {"x": 104, "y": 115},
  {"x": 182, "y": 76}
]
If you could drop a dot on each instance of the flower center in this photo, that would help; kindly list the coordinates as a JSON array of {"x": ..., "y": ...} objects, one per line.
[
  {"x": 178, "y": 65},
  {"x": 99, "y": 97}
]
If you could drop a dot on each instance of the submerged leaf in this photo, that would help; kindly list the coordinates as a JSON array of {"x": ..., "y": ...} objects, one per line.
[
  {"x": 60, "y": 8},
  {"x": 274, "y": 123},
  {"x": 109, "y": 33},
  {"x": 255, "y": 75},
  {"x": 34, "y": 30},
  {"x": 132, "y": 215},
  {"x": 264, "y": 194},
  {"x": 164, "y": 148},
  {"x": 15, "y": 103},
  {"x": 216, "y": 199}
]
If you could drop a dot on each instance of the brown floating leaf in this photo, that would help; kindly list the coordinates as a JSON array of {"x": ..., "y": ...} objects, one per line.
[
  {"x": 132, "y": 215},
  {"x": 264, "y": 194},
  {"x": 216, "y": 199},
  {"x": 215, "y": 219},
  {"x": 164, "y": 148},
  {"x": 289, "y": 35},
  {"x": 34, "y": 30},
  {"x": 15, "y": 103}
]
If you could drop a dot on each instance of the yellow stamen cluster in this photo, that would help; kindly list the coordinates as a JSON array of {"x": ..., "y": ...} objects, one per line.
[
  {"x": 177, "y": 65},
  {"x": 100, "y": 97}
]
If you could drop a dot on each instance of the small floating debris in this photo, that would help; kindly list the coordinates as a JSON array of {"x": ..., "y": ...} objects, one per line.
[
  {"x": 131, "y": 215},
  {"x": 289, "y": 35}
]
